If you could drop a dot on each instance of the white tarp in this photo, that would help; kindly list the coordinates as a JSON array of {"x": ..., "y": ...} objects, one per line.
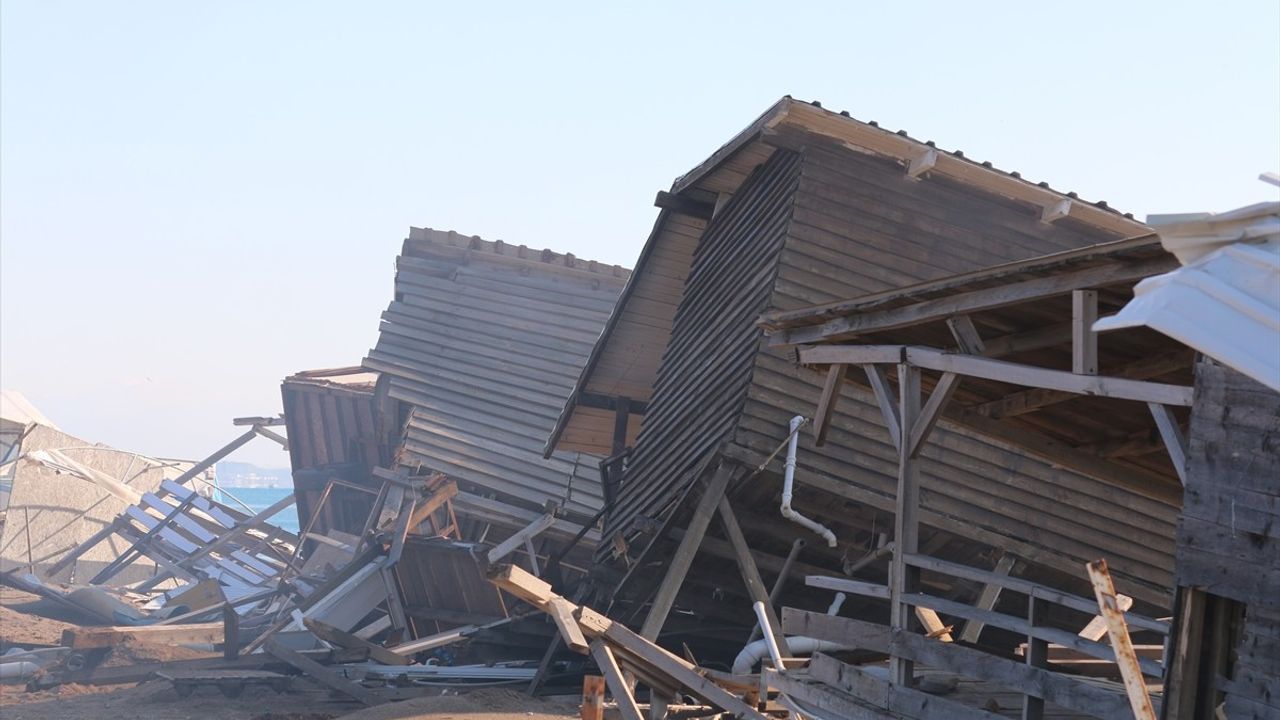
[{"x": 1225, "y": 299}]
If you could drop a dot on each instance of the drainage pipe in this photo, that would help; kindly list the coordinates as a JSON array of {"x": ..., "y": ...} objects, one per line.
[{"x": 788, "y": 480}]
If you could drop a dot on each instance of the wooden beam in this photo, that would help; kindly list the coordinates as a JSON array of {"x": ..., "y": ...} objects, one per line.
[
  {"x": 322, "y": 674},
  {"x": 617, "y": 683},
  {"x": 1025, "y": 401},
  {"x": 83, "y": 638},
  {"x": 1037, "y": 339},
  {"x": 941, "y": 395},
  {"x": 1097, "y": 627},
  {"x": 884, "y": 398},
  {"x": 1174, "y": 440},
  {"x": 679, "y": 564},
  {"x": 827, "y": 403},
  {"x": 750, "y": 573},
  {"x": 903, "y": 702},
  {"x": 966, "y": 335},
  {"x": 343, "y": 639},
  {"x": 1037, "y": 656},
  {"x": 972, "y": 630},
  {"x": 1058, "y": 689},
  {"x": 508, "y": 546},
  {"x": 858, "y": 323},
  {"x": 561, "y": 612},
  {"x": 1001, "y": 371},
  {"x": 934, "y": 628},
  {"x": 906, "y": 519},
  {"x": 592, "y": 698},
  {"x": 684, "y": 205},
  {"x": 846, "y": 585},
  {"x": 1084, "y": 341},
  {"x": 1134, "y": 684}
]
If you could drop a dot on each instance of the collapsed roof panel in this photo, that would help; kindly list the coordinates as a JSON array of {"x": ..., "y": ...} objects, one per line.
[{"x": 481, "y": 344}]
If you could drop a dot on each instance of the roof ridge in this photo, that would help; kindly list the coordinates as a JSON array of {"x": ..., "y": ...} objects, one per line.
[{"x": 500, "y": 248}]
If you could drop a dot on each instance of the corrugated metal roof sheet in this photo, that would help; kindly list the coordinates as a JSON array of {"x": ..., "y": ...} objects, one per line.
[{"x": 483, "y": 341}]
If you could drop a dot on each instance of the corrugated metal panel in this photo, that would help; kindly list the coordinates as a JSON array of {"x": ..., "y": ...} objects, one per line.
[
  {"x": 483, "y": 342},
  {"x": 708, "y": 362}
]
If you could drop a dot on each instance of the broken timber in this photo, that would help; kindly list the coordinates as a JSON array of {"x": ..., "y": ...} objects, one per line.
[{"x": 631, "y": 651}]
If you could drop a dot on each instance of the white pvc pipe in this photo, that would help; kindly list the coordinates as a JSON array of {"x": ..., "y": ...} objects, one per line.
[
  {"x": 788, "y": 480},
  {"x": 798, "y": 645},
  {"x": 775, "y": 653}
]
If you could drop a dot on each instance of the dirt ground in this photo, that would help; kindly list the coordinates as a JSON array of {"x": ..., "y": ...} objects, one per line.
[{"x": 156, "y": 699}]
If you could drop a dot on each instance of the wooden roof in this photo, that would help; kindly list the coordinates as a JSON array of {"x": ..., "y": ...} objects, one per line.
[
  {"x": 482, "y": 343},
  {"x": 626, "y": 357}
]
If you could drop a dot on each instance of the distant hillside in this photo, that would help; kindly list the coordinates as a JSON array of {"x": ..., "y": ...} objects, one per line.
[{"x": 248, "y": 475}]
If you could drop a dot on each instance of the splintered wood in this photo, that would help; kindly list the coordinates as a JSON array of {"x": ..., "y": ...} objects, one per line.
[{"x": 616, "y": 647}]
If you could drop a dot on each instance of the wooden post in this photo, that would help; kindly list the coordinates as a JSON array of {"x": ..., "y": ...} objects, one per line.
[
  {"x": 230, "y": 632},
  {"x": 613, "y": 678},
  {"x": 683, "y": 558},
  {"x": 1185, "y": 653},
  {"x": 906, "y": 524},
  {"x": 972, "y": 629},
  {"x": 1037, "y": 657},
  {"x": 750, "y": 573},
  {"x": 1126, "y": 659},
  {"x": 592, "y": 697},
  {"x": 1084, "y": 341}
]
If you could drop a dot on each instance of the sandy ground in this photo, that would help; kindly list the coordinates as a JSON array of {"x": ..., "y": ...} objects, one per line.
[{"x": 156, "y": 700}]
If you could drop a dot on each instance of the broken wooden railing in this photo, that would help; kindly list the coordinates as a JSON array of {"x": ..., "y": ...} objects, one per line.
[{"x": 1037, "y": 678}]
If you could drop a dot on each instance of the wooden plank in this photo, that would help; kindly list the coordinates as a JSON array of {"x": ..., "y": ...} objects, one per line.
[
  {"x": 846, "y": 585},
  {"x": 827, "y": 701},
  {"x": 933, "y": 625},
  {"x": 1057, "y": 689},
  {"x": 322, "y": 674},
  {"x": 894, "y": 698},
  {"x": 906, "y": 518},
  {"x": 1097, "y": 627},
  {"x": 344, "y": 639},
  {"x": 1130, "y": 670},
  {"x": 561, "y": 612},
  {"x": 756, "y": 589},
  {"x": 1037, "y": 656},
  {"x": 851, "y": 354},
  {"x": 1174, "y": 440},
  {"x": 884, "y": 398},
  {"x": 81, "y": 638},
  {"x": 1025, "y": 401},
  {"x": 1026, "y": 587},
  {"x": 592, "y": 707},
  {"x": 966, "y": 335},
  {"x": 1084, "y": 341},
  {"x": 972, "y": 630},
  {"x": 970, "y": 302},
  {"x": 616, "y": 682},
  {"x": 924, "y": 424},
  {"x": 680, "y": 562},
  {"x": 827, "y": 403},
  {"x": 508, "y": 546}
]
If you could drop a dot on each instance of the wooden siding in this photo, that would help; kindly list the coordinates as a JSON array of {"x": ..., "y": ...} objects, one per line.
[
  {"x": 330, "y": 420},
  {"x": 708, "y": 362},
  {"x": 1229, "y": 532},
  {"x": 483, "y": 342},
  {"x": 859, "y": 225}
]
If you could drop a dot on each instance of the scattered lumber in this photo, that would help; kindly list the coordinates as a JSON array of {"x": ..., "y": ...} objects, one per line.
[
  {"x": 102, "y": 637},
  {"x": 649, "y": 663}
]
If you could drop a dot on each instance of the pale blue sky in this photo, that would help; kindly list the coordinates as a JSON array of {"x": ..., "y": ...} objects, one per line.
[{"x": 197, "y": 199}]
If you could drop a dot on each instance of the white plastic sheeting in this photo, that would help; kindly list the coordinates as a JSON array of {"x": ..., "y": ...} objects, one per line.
[{"x": 1225, "y": 299}]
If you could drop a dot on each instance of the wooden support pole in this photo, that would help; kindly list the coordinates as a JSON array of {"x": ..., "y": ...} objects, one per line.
[
  {"x": 1084, "y": 341},
  {"x": 1037, "y": 657},
  {"x": 932, "y": 410},
  {"x": 613, "y": 678},
  {"x": 683, "y": 558},
  {"x": 884, "y": 398},
  {"x": 972, "y": 629},
  {"x": 750, "y": 573},
  {"x": 1174, "y": 441},
  {"x": 906, "y": 524},
  {"x": 966, "y": 335},
  {"x": 827, "y": 403},
  {"x": 1126, "y": 658},
  {"x": 592, "y": 698},
  {"x": 230, "y": 632}
]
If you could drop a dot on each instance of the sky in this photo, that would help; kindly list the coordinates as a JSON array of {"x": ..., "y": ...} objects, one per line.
[{"x": 198, "y": 199}]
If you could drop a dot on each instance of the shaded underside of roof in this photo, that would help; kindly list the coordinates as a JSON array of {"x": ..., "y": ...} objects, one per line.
[
  {"x": 483, "y": 342},
  {"x": 331, "y": 418},
  {"x": 626, "y": 358}
]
